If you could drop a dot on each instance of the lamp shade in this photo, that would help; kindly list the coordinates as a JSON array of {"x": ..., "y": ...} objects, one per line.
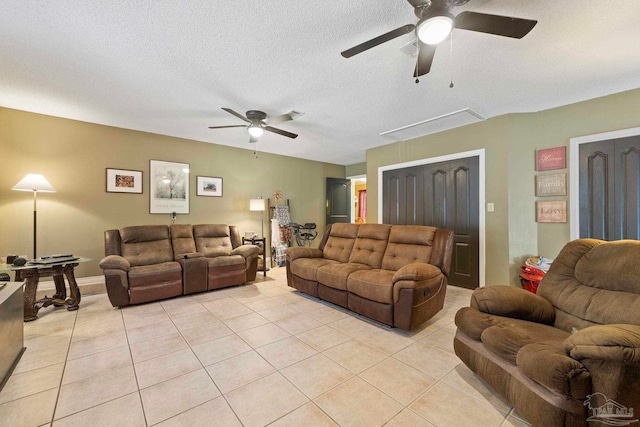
[
  {"x": 34, "y": 182},
  {"x": 256, "y": 205}
]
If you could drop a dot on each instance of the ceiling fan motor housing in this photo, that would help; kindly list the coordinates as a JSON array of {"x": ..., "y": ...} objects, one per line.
[{"x": 255, "y": 115}]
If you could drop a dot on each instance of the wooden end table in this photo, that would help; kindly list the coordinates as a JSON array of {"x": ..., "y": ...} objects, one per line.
[
  {"x": 261, "y": 244},
  {"x": 31, "y": 274}
]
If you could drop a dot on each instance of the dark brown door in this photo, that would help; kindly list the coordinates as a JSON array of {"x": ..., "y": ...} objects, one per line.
[
  {"x": 442, "y": 195},
  {"x": 610, "y": 189},
  {"x": 338, "y": 201}
]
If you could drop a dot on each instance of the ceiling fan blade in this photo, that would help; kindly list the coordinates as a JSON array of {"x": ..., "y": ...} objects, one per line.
[
  {"x": 280, "y": 132},
  {"x": 425, "y": 58},
  {"x": 253, "y": 138},
  {"x": 238, "y": 115},
  {"x": 278, "y": 119},
  {"x": 378, "y": 40},
  {"x": 506, "y": 26},
  {"x": 223, "y": 127}
]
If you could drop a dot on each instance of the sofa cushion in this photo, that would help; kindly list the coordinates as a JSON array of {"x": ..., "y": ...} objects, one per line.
[
  {"x": 213, "y": 240},
  {"x": 370, "y": 244},
  {"x": 307, "y": 268},
  {"x": 340, "y": 242},
  {"x": 146, "y": 245},
  {"x": 225, "y": 261},
  {"x": 145, "y": 275},
  {"x": 507, "y": 338},
  {"x": 603, "y": 273},
  {"x": 407, "y": 244},
  {"x": 182, "y": 240},
  {"x": 549, "y": 365},
  {"x": 375, "y": 285},
  {"x": 335, "y": 275}
]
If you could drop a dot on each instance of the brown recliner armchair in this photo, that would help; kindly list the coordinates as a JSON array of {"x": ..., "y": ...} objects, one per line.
[{"x": 570, "y": 354}]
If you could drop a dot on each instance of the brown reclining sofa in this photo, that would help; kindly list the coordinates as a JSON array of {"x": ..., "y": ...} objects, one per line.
[
  {"x": 151, "y": 262},
  {"x": 395, "y": 274},
  {"x": 570, "y": 354}
]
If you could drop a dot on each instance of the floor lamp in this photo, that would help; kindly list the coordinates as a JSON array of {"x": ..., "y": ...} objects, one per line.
[
  {"x": 34, "y": 182},
  {"x": 258, "y": 205}
]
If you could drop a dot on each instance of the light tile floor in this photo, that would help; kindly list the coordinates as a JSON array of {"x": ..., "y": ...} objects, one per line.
[{"x": 253, "y": 355}]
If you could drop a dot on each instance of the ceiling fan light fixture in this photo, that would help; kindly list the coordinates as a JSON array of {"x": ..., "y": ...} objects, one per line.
[
  {"x": 434, "y": 29},
  {"x": 255, "y": 130}
]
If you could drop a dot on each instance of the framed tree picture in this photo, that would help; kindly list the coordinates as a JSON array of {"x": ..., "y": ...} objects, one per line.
[
  {"x": 210, "y": 186},
  {"x": 124, "y": 181},
  {"x": 168, "y": 187}
]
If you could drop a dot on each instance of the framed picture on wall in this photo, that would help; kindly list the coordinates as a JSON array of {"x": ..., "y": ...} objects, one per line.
[
  {"x": 551, "y": 211},
  {"x": 554, "y": 184},
  {"x": 168, "y": 187},
  {"x": 124, "y": 181},
  {"x": 210, "y": 186},
  {"x": 551, "y": 159}
]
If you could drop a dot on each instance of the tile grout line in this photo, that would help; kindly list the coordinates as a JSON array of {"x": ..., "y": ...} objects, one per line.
[{"x": 64, "y": 368}]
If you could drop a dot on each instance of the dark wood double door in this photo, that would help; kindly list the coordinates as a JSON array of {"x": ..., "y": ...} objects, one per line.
[
  {"x": 610, "y": 189},
  {"x": 444, "y": 195}
]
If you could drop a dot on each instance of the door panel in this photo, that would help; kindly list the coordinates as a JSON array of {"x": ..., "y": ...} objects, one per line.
[
  {"x": 597, "y": 190},
  {"x": 628, "y": 189},
  {"x": 338, "y": 202},
  {"x": 610, "y": 189},
  {"x": 443, "y": 195}
]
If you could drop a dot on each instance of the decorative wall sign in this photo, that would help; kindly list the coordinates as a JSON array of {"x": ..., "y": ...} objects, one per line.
[
  {"x": 168, "y": 187},
  {"x": 209, "y": 186},
  {"x": 554, "y": 184},
  {"x": 551, "y": 158},
  {"x": 551, "y": 211},
  {"x": 124, "y": 181}
]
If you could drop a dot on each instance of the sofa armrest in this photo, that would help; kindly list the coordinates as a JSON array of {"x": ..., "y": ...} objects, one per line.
[
  {"x": 300, "y": 252},
  {"x": 115, "y": 262},
  {"x": 246, "y": 250},
  {"x": 509, "y": 301},
  {"x": 417, "y": 272},
  {"x": 189, "y": 255},
  {"x": 612, "y": 343}
]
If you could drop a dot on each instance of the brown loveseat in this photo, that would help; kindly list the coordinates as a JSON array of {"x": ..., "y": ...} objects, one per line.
[
  {"x": 395, "y": 274},
  {"x": 569, "y": 352},
  {"x": 151, "y": 262}
]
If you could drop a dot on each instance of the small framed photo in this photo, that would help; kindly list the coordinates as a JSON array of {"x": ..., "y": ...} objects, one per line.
[
  {"x": 210, "y": 186},
  {"x": 124, "y": 181}
]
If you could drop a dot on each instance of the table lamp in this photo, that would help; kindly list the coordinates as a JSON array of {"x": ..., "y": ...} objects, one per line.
[
  {"x": 34, "y": 182},
  {"x": 258, "y": 205}
]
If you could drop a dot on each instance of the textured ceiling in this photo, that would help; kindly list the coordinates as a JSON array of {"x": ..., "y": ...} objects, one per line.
[{"x": 169, "y": 66}]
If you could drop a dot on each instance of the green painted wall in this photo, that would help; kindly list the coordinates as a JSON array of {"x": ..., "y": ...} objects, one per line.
[
  {"x": 74, "y": 156},
  {"x": 356, "y": 169},
  {"x": 510, "y": 142}
]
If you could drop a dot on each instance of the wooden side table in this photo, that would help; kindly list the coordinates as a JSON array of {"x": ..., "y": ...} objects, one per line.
[
  {"x": 31, "y": 274},
  {"x": 261, "y": 244}
]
